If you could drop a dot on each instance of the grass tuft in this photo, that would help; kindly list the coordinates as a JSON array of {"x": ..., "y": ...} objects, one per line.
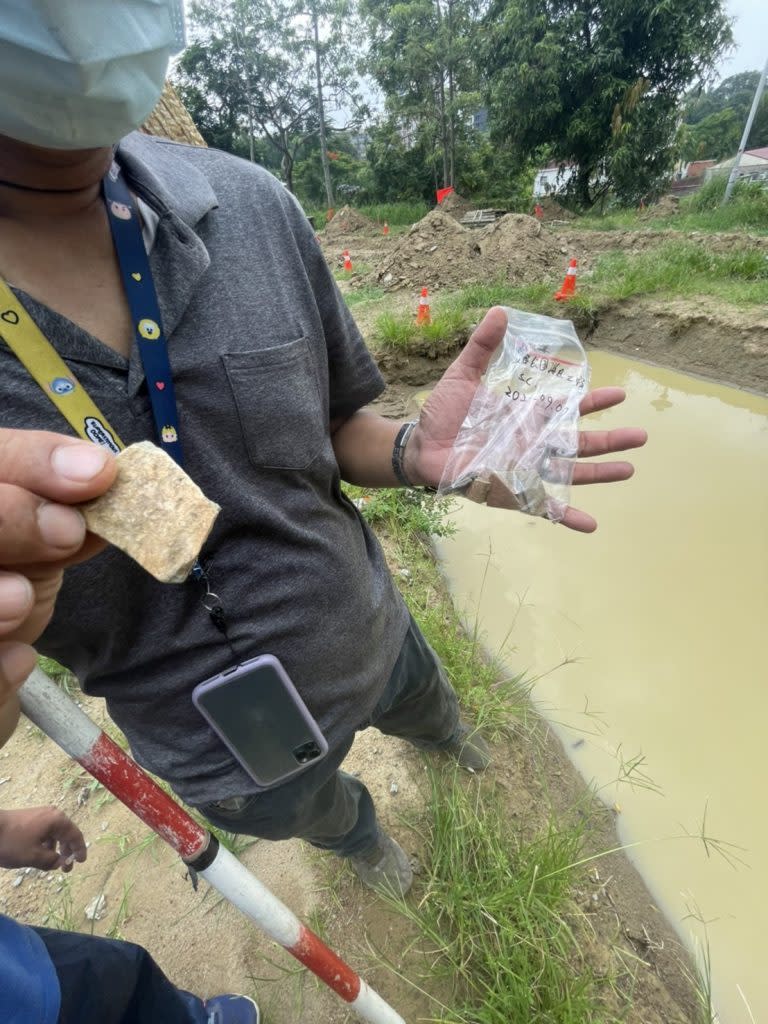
[
  {"x": 495, "y": 913},
  {"x": 400, "y": 332}
]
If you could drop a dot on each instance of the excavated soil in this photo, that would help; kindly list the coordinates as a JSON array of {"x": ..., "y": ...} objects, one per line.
[
  {"x": 456, "y": 205},
  {"x": 520, "y": 249},
  {"x": 438, "y": 252},
  {"x": 348, "y": 221},
  {"x": 667, "y": 206},
  {"x": 553, "y": 210},
  {"x": 702, "y": 337},
  {"x": 586, "y": 245}
]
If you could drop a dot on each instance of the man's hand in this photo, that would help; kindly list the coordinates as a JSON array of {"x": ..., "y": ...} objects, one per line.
[
  {"x": 40, "y": 837},
  {"x": 41, "y": 475},
  {"x": 445, "y": 409}
]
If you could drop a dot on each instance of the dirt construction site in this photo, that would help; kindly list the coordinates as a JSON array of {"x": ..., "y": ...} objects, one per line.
[
  {"x": 132, "y": 885},
  {"x": 702, "y": 336}
]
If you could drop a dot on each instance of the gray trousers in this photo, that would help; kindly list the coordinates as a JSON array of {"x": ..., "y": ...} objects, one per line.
[{"x": 330, "y": 808}]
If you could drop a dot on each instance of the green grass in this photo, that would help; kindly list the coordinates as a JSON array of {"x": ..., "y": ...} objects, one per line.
[
  {"x": 358, "y": 270},
  {"x": 673, "y": 269},
  {"x": 495, "y": 927},
  {"x": 747, "y": 210},
  {"x": 682, "y": 268},
  {"x": 396, "y": 214},
  {"x": 393, "y": 332},
  {"x": 408, "y": 518},
  {"x": 495, "y": 910},
  {"x": 368, "y": 293}
]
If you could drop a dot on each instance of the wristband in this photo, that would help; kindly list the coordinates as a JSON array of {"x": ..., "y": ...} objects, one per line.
[{"x": 398, "y": 451}]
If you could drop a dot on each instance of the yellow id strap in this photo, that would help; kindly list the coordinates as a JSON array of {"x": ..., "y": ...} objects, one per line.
[{"x": 25, "y": 339}]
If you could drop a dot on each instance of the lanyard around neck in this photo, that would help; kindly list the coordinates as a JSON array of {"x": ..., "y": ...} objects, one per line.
[{"x": 58, "y": 382}]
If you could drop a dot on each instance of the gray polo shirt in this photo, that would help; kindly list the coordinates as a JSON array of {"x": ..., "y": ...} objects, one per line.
[{"x": 264, "y": 353}]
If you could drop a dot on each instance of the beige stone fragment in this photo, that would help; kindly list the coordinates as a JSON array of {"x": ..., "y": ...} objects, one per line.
[
  {"x": 527, "y": 496},
  {"x": 523, "y": 492},
  {"x": 478, "y": 490},
  {"x": 153, "y": 512}
]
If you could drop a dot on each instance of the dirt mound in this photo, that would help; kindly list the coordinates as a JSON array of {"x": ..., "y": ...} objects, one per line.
[
  {"x": 553, "y": 210},
  {"x": 348, "y": 222},
  {"x": 586, "y": 246},
  {"x": 516, "y": 248},
  {"x": 436, "y": 252},
  {"x": 667, "y": 206},
  {"x": 456, "y": 205}
]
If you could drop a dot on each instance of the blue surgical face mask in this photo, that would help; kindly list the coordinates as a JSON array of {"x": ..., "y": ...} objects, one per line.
[{"x": 79, "y": 74}]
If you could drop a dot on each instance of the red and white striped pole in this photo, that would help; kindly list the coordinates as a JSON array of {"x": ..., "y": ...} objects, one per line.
[{"x": 52, "y": 711}]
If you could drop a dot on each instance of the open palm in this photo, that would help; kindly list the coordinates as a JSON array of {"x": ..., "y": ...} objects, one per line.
[{"x": 447, "y": 406}]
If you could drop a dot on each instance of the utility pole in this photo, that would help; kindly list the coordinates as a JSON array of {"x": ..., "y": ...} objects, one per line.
[{"x": 733, "y": 176}]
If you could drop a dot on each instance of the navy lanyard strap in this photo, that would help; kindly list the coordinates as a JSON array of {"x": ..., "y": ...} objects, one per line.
[
  {"x": 125, "y": 225},
  {"x": 139, "y": 285}
]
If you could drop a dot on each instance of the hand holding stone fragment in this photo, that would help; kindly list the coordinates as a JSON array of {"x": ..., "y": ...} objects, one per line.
[{"x": 153, "y": 512}]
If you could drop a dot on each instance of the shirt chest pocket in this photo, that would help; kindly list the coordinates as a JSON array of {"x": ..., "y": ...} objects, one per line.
[{"x": 278, "y": 403}]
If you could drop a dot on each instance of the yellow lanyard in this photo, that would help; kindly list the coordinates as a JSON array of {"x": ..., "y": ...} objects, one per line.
[{"x": 45, "y": 365}]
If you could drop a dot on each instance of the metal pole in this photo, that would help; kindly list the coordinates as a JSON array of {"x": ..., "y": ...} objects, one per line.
[
  {"x": 732, "y": 177},
  {"x": 52, "y": 711}
]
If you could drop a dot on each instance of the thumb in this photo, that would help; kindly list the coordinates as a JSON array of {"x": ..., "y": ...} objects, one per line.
[
  {"x": 44, "y": 858},
  {"x": 473, "y": 361}
]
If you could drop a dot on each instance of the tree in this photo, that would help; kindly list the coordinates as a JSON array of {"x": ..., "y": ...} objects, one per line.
[
  {"x": 715, "y": 137},
  {"x": 259, "y": 72},
  {"x": 422, "y": 55},
  {"x": 331, "y": 35},
  {"x": 251, "y": 62},
  {"x": 714, "y": 119},
  {"x": 599, "y": 82}
]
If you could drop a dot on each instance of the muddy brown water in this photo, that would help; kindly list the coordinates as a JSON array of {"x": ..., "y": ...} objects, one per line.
[{"x": 664, "y": 611}]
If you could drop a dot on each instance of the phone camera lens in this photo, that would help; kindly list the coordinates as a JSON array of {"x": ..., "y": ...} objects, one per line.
[{"x": 306, "y": 752}]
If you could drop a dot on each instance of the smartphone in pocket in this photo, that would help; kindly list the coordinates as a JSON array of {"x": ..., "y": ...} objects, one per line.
[{"x": 258, "y": 713}]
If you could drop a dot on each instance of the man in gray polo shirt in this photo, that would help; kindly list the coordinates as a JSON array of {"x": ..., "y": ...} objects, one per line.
[{"x": 271, "y": 378}]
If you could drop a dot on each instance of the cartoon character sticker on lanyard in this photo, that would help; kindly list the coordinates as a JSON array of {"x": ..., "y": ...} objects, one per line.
[{"x": 62, "y": 385}]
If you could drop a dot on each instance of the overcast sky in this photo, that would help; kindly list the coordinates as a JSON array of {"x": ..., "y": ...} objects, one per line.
[{"x": 751, "y": 35}]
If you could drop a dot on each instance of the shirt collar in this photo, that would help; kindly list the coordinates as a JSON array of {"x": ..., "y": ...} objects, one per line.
[{"x": 172, "y": 184}]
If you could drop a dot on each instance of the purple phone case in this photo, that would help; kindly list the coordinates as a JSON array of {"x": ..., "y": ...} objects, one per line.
[{"x": 262, "y": 724}]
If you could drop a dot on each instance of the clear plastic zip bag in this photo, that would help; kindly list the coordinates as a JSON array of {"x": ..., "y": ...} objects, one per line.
[{"x": 518, "y": 443}]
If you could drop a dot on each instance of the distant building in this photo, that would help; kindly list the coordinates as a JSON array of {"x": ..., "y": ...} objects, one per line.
[
  {"x": 689, "y": 177},
  {"x": 552, "y": 179},
  {"x": 753, "y": 166}
]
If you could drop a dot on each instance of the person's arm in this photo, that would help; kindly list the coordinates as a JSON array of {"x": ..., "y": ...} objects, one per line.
[
  {"x": 40, "y": 837},
  {"x": 363, "y": 442}
]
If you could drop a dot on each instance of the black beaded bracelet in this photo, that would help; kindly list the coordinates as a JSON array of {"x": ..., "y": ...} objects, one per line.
[{"x": 398, "y": 451}]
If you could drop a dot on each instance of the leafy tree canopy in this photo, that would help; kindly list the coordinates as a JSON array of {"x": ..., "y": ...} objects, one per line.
[{"x": 599, "y": 82}]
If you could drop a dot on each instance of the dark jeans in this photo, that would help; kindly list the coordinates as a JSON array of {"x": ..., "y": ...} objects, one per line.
[
  {"x": 103, "y": 981},
  {"x": 328, "y": 807}
]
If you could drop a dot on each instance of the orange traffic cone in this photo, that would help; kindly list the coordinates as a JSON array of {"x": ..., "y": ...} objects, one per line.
[
  {"x": 347, "y": 260},
  {"x": 423, "y": 317},
  {"x": 568, "y": 289},
  {"x": 386, "y": 228}
]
